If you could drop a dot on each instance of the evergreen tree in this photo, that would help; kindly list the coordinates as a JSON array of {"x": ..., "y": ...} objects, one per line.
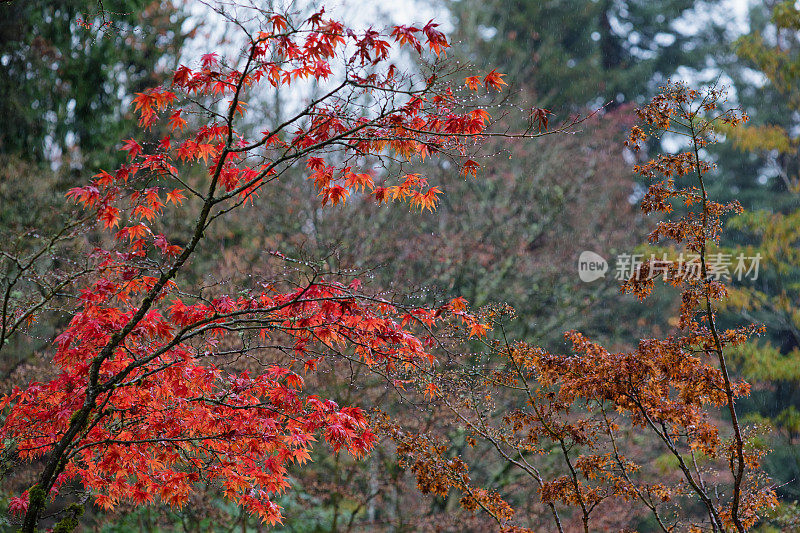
[
  {"x": 573, "y": 53},
  {"x": 69, "y": 65}
]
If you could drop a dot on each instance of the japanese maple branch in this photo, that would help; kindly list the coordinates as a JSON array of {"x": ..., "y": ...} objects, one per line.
[
  {"x": 621, "y": 464},
  {"x": 585, "y": 511},
  {"x": 55, "y": 462},
  {"x": 738, "y": 469}
]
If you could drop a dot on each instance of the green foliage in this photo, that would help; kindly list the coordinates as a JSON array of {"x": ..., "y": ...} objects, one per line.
[
  {"x": 70, "y": 522},
  {"x": 65, "y": 86},
  {"x": 760, "y": 167},
  {"x": 764, "y": 362},
  {"x": 572, "y": 53}
]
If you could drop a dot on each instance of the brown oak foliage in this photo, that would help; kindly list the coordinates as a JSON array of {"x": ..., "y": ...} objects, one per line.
[{"x": 608, "y": 439}]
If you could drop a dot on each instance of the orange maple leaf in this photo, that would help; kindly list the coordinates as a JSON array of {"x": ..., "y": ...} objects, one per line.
[{"x": 494, "y": 80}]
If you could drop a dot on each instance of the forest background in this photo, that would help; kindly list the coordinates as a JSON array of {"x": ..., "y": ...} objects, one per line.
[{"x": 512, "y": 237}]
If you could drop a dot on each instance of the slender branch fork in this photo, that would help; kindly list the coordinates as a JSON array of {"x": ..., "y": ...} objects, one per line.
[{"x": 693, "y": 361}]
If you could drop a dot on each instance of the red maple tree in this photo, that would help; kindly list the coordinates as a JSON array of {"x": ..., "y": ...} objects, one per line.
[{"x": 141, "y": 408}]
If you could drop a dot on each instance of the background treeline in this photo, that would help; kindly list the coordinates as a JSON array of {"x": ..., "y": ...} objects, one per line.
[{"x": 511, "y": 237}]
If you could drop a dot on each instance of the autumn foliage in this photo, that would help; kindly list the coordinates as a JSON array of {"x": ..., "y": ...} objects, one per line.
[
  {"x": 147, "y": 398},
  {"x": 589, "y": 406},
  {"x": 141, "y": 407}
]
